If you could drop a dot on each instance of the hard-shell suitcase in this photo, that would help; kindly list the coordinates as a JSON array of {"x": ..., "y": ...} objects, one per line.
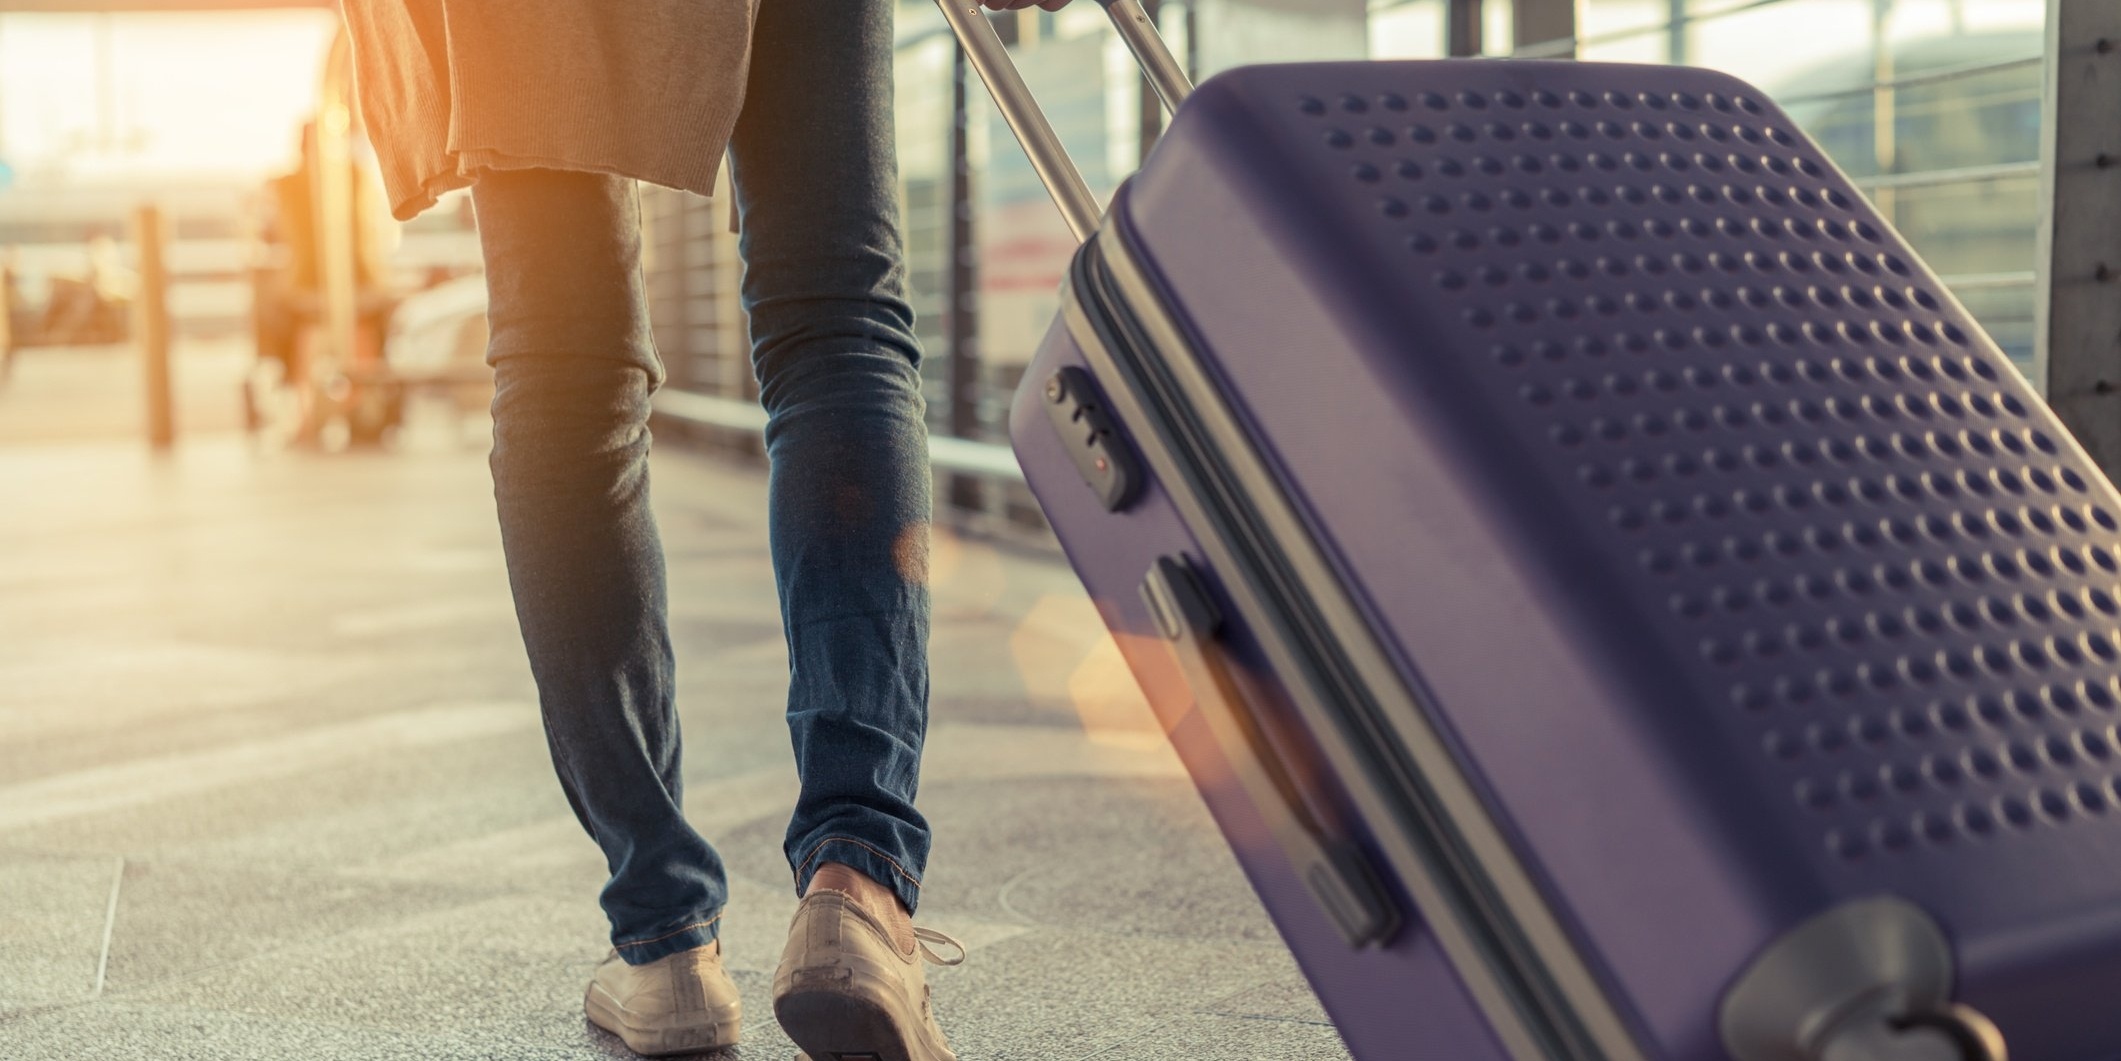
[{"x": 1615, "y": 601}]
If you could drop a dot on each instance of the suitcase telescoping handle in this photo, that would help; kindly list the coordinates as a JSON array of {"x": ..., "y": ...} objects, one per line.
[
  {"x": 1334, "y": 870},
  {"x": 1048, "y": 157}
]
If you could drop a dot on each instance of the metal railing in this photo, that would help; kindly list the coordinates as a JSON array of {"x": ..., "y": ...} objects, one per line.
[
  {"x": 1938, "y": 178},
  {"x": 957, "y": 456},
  {"x": 1927, "y": 77},
  {"x": 1990, "y": 281}
]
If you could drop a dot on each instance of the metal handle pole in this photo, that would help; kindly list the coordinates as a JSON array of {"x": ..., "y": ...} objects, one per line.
[
  {"x": 1048, "y": 156},
  {"x": 1165, "y": 74},
  {"x": 984, "y": 48}
]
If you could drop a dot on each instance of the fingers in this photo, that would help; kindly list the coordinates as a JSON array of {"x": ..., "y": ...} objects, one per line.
[
  {"x": 1019, "y": 5},
  {"x": 1053, "y": 5}
]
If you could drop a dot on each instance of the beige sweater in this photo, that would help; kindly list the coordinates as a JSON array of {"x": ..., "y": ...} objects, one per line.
[{"x": 647, "y": 89}]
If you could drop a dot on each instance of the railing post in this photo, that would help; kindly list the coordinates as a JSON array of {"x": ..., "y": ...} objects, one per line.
[
  {"x": 963, "y": 306},
  {"x": 1463, "y": 26},
  {"x": 1885, "y": 110},
  {"x": 151, "y": 323},
  {"x": 1541, "y": 21},
  {"x": 7, "y": 318},
  {"x": 2077, "y": 333}
]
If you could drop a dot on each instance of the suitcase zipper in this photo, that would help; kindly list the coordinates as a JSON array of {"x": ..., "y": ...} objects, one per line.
[{"x": 1510, "y": 972}]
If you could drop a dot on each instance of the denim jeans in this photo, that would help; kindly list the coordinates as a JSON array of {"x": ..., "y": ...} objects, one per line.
[{"x": 838, "y": 368}]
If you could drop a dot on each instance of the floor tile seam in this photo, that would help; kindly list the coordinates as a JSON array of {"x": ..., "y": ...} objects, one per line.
[
  {"x": 1268, "y": 1018},
  {"x": 106, "y": 993},
  {"x": 1085, "y": 932},
  {"x": 1145, "y": 1033}
]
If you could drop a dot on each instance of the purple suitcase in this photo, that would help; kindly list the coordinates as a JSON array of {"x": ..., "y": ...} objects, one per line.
[{"x": 1615, "y": 602}]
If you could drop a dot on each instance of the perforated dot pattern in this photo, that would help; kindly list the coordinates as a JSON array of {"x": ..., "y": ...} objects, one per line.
[{"x": 1871, "y": 555}]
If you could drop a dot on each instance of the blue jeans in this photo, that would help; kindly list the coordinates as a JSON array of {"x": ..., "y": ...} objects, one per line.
[{"x": 837, "y": 363}]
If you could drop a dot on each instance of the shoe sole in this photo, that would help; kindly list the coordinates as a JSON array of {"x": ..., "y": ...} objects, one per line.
[
  {"x": 835, "y": 1026},
  {"x": 659, "y": 1042}
]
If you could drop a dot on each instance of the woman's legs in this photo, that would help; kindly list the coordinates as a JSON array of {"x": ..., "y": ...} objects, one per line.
[
  {"x": 838, "y": 367},
  {"x": 574, "y": 365}
]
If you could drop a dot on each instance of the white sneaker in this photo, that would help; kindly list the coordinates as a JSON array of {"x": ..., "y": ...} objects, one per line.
[
  {"x": 845, "y": 992},
  {"x": 682, "y": 1003}
]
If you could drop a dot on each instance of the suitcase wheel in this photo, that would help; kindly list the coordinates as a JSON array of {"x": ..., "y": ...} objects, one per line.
[
  {"x": 1956, "y": 1033},
  {"x": 1975, "y": 1036},
  {"x": 1866, "y": 981}
]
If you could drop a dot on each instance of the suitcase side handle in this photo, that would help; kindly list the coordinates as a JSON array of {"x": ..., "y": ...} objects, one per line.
[
  {"x": 1049, "y": 157},
  {"x": 1337, "y": 873}
]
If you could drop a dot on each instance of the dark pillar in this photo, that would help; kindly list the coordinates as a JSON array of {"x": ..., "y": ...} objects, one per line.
[
  {"x": 964, "y": 491},
  {"x": 1463, "y": 30}
]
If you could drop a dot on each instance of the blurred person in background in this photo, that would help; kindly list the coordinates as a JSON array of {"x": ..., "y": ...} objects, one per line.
[
  {"x": 10, "y": 303},
  {"x": 550, "y": 111},
  {"x": 95, "y": 306},
  {"x": 288, "y": 314}
]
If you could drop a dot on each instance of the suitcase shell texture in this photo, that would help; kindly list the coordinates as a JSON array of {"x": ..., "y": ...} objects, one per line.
[{"x": 1738, "y": 570}]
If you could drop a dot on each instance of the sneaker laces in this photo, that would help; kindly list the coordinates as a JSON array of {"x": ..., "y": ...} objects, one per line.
[{"x": 925, "y": 936}]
